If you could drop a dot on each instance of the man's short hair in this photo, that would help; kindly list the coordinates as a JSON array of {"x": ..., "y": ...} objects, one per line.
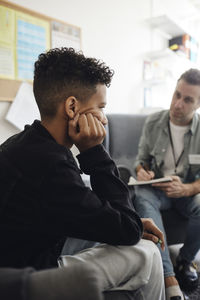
[
  {"x": 191, "y": 76},
  {"x": 63, "y": 72}
]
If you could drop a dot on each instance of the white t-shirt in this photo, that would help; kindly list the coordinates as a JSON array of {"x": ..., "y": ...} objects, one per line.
[{"x": 177, "y": 134}]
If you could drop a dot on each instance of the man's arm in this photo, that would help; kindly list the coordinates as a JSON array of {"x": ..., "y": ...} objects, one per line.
[
  {"x": 193, "y": 188},
  {"x": 143, "y": 173},
  {"x": 177, "y": 189},
  {"x": 143, "y": 148},
  {"x": 142, "y": 162}
]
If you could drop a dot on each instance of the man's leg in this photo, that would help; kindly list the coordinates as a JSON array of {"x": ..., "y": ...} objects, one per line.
[
  {"x": 125, "y": 268},
  {"x": 148, "y": 202},
  {"x": 186, "y": 271},
  {"x": 190, "y": 208}
]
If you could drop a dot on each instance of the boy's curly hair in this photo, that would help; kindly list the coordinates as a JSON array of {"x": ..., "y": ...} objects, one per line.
[{"x": 63, "y": 72}]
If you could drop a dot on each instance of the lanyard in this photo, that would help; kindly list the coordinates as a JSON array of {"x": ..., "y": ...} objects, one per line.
[{"x": 173, "y": 151}]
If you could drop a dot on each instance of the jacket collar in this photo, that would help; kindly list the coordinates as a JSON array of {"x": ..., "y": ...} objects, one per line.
[
  {"x": 194, "y": 123},
  {"x": 43, "y": 131},
  {"x": 163, "y": 122}
]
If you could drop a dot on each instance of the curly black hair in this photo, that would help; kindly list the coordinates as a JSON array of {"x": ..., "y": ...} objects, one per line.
[
  {"x": 191, "y": 76},
  {"x": 63, "y": 72}
]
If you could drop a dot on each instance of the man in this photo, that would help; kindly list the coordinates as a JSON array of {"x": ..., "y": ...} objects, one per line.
[
  {"x": 43, "y": 198},
  {"x": 170, "y": 145}
]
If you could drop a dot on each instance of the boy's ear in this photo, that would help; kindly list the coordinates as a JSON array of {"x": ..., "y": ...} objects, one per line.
[{"x": 71, "y": 106}]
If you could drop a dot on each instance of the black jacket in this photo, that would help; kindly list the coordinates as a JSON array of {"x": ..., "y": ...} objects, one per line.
[{"x": 43, "y": 200}]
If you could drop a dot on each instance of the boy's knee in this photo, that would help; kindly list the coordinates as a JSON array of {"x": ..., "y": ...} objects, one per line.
[
  {"x": 88, "y": 280},
  {"x": 155, "y": 255}
]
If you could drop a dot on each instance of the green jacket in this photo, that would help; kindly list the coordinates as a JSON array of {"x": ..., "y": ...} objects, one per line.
[{"x": 154, "y": 141}]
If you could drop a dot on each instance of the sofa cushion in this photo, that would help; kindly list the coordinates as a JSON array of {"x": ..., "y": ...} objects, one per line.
[{"x": 123, "y": 134}]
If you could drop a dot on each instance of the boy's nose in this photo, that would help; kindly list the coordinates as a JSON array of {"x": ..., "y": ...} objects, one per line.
[
  {"x": 104, "y": 120},
  {"x": 100, "y": 116}
]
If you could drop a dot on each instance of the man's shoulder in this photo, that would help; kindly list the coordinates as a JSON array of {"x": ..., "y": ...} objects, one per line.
[
  {"x": 157, "y": 117},
  {"x": 197, "y": 117},
  {"x": 195, "y": 126}
]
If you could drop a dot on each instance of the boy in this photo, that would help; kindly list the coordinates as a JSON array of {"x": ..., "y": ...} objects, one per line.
[{"x": 44, "y": 200}]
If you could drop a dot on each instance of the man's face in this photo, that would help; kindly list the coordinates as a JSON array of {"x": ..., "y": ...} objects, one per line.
[
  {"x": 95, "y": 104},
  {"x": 185, "y": 101}
]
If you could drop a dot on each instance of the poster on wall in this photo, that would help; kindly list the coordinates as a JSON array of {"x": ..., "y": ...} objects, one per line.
[
  {"x": 65, "y": 35},
  {"x": 32, "y": 38},
  {"x": 7, "y": 43},
  {"x": 24, "y": 34}
]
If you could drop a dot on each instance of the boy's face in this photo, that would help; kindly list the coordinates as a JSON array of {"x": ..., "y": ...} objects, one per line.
[{"x": 95, "y": 104}]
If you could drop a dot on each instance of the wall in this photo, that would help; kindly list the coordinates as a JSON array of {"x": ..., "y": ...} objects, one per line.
[
  {"x": 6, "y": 129},
  {"x": 114, "y": 31}
]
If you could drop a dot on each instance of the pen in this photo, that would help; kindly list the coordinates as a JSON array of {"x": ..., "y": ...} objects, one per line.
[{"x": 145, "y": 168}]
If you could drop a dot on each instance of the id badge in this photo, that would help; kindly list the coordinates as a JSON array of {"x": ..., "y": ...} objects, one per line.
[{"x": 194, "y": 159}]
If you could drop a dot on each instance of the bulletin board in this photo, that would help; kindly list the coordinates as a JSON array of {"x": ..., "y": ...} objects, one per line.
[{"x": 24, "y": 34}]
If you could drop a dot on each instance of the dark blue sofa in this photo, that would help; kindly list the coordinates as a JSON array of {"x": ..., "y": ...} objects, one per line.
[{"x": 123, "y": 134}]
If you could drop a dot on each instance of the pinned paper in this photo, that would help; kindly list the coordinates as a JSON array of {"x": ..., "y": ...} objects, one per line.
[{"x": 24, "y": 109}]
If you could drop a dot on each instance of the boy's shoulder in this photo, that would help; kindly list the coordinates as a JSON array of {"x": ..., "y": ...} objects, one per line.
[{"x": 35, "y": 146}]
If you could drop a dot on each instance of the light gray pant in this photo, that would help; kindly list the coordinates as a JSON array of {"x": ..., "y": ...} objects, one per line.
[
  {"x": 104, "y": 272},
  {"x": 78, "y": 282},
  {"x": 75, "y": 282},
  {"x": 123, "y": 269}
]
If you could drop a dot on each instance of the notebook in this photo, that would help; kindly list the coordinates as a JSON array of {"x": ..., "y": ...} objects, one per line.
[{"x": 133, "y": 181}]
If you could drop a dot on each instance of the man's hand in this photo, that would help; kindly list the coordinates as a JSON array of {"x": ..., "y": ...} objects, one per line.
[
  {"x": 174, "y": 188},
  {"x": 144, "y": 175},
  {"x": 86, "y": 131},
  {"x": 152, "y": 232}
]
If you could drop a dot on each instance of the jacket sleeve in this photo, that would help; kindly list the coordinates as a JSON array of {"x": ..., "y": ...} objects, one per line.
[{"x": 103, "y": 214}]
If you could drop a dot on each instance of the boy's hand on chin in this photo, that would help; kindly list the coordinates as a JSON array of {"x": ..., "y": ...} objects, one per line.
[{"x": 86, "y": 131}]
